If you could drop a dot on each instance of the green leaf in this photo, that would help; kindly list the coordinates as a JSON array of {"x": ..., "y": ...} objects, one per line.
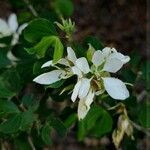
[
  {"x": 97, "y": 122},
  {"x": 90, "y": 52},
  {"x": 27, "y": 120},
  {"x": 103, "y": 125},
  {"x": 144, "y": 116},
  {"x": 58, "y": 49},
  {"x": 4, "y": 61},
  {"x": 64, "y": 7},
  {"x": 94, "y": 113},
  {"x": 39, "y": 28},
  {"x": 58, "y": 125},
  {"x": 12, "y": 125},
  {"x": 95, "y": 42},
  {"x": 46, "y": 42},
  {"x": 70, "y": 120},
  {"x": 21, "y": 143},
  {"x": 37, "y": 67},
  {"x": 8, "y": 107},
  {"x": 30, "y": 102},
  {"x": 40, "y": 48},
  {"x": 46, "y": 134},
  {"x": 10, "y": 83},
  {"x": 81, "y": 130}
]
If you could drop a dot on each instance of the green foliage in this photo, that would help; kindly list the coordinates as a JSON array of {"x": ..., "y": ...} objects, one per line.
[
  {"x": 29, "y": 110},
  {"x": 4, "y": 61},
  {"x": 10, "y": 83},
  {"x": 97, "y": 122},
  {"x": 28, "y": 118},
  {"x": 41, "y": 27},
  {"x": 58, "y": 125},
  {"x": 41, "y": 48},
  {"x": 46, "y": 134},
  {"x": 12, "y": 125},
  {"x": 7, "y": 107},
  {"x": 144, "y": 116}
]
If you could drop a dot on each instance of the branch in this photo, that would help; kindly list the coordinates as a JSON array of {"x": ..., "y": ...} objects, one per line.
[
  {"x": 138, "y": 127},
  {"x": 31, "y": 143},
  {"x": 33, "y": 11}
]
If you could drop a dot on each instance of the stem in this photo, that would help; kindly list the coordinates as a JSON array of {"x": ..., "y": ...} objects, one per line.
[
  {"x": 33, "y": 11},
  {"x": 31, "y": 143},
  {"x": 138, "y": 127}
]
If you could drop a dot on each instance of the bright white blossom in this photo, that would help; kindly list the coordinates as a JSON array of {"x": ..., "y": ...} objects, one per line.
[
  {"x": 91, "y": 80},
  {"x": 11, "y": 27}
]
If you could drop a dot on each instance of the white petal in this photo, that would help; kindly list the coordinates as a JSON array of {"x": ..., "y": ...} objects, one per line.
[
  {"x": 47, "y": 64},
  {"x": 64, "y": 62},
  {"x": 4, "y": 28},
  {"x": 21, "y": 28},
  {"x": 116, "y": 88},
  {"x": 112, "y": 65},
  {"x": 106, "y": 51},
  {"x": 76, "y": 71},
  {"x": 121, "y": 57},
  {"x": 12, "y": 22},
  {"x": 83, "y": 65},
  {"x": 82, "y": 109},
  {"x": 11, "y": 56},
  {"x": 97, "y": 58},
  {"x": 84, "y": 88},
  {"x": 71, "y": 55},
  {"x": 15, "y": 39},
  {"x": 89, "y": 98},
  {"x": 76, "y": 91},
  {"x": 49, "y": 78}
]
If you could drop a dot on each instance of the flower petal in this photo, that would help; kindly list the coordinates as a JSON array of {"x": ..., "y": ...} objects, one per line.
[
  {"x": 97, "y": 58},
  {"x": 82, "y": 109},
  {"x": 106, "y": 51},
  {"x": 71, "y": 55},
  {"x": 21, "y": 28},
  {"x": 76, "y": 91},
  {"x": 76, "y": 71},
  {"x": 4, "y": 28},
  {"x": 83, "y": 65},
  {"x": 84, "y": 88},
  {"x": 112, "y": 65},
  {"x": 116, "y": 88},
  {"x": 11, "y": 56},
  {"x": 15, "y": 39},
  {"x": 89, "y": 98},
  {"x": 64, "y": 62},
  {"x": 47, "y": 64},
  {"x": 121, "y": 57},
  {"x": 12, "y": 22},
  {"x": 49, "y": 77}
]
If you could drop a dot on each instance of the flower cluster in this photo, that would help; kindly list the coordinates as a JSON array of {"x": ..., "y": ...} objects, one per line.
[{"x": 92, "y": 80}]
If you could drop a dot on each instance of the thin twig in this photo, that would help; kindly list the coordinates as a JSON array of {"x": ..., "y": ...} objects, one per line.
[
  {"x": 31, "y": 143},
  {"x": 138, "y": 127},
  {"x": 33, "y": 11}
]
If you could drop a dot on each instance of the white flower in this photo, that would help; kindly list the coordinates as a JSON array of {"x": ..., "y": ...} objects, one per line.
[
  {"x": 92, "y": 80},
  {"x": 10, "y": 27},
  {"x": 112, "y": 62}
]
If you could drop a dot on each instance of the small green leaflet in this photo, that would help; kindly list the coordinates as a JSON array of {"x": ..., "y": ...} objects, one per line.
[{"x": 46, "y": 42}]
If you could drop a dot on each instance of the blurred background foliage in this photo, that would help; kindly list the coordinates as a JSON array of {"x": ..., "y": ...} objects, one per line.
[{"x": 33, "y": 114}]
